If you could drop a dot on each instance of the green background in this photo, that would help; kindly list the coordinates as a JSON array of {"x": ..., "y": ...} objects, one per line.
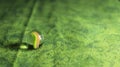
[{"x": 77, "y": 33}]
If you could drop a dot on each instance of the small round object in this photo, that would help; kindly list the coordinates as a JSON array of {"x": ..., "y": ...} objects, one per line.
[{"x": 24, "y": 46}]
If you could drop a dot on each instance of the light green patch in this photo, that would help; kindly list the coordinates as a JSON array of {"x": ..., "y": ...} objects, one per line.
[{"x": 23, "y": 46}]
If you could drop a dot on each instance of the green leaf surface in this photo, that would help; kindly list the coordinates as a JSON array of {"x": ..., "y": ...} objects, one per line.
[{"x": 77, "y": 33}]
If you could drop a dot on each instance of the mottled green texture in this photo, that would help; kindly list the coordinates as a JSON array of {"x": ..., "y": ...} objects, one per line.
[
  {"x": 14, "y": 15},
  {"x": 77, "y": 33}
]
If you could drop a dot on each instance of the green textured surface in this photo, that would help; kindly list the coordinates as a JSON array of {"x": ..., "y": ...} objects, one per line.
[{"x": 77, "y": 33}]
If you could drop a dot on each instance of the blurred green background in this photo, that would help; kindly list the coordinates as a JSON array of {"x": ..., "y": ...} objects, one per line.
[{"x": 77, "y": 33}]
